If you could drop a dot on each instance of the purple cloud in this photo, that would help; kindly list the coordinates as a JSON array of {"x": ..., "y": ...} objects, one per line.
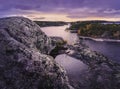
[{"x": 73, "y": 8}]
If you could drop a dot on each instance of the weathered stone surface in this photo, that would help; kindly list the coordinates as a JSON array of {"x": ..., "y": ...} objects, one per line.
[
  {"x": 58, "y": 39},
  {"x": 102, "y": 72},
  {"x": 60, "y": 46},
  {"x": 23, "y": 60},
  {"x": 27, "y": 33}
]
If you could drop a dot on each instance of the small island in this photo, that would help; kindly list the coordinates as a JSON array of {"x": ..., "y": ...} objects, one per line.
[{"x": 97, "y": 29}]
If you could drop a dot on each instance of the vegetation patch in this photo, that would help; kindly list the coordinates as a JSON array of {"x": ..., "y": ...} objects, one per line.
[{"x": 97, "y": 29}]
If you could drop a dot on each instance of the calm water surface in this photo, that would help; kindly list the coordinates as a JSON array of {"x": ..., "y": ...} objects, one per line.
[
  {"x": 60, "y": 32},
  {"x": 74, "y": 67},
  {"x": 109, "y": 49}
]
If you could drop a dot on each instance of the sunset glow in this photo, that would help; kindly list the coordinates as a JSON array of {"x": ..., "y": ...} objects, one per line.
[{"x": 62, "y": 10}]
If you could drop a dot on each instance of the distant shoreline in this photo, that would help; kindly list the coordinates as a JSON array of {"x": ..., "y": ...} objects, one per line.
[
  {"x": 99, "y": 39},
  {"x": 50, "y": 23},
  {"x": 94, "y": 39}
]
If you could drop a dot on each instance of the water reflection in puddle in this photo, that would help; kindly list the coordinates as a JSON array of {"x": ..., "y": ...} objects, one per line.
[{"x": 73, "y": 66}]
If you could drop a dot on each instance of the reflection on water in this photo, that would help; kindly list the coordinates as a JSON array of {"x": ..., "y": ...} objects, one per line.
[
  {"x": 73, "y": 66},
  {"x": 60, "y": 32}
]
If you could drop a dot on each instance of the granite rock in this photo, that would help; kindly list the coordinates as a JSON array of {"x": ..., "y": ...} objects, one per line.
[{"x": 24, "y": 63}]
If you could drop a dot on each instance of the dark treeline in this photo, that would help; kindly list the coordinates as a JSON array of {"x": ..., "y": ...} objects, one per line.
[
  {"x": 97, "y": 29},
  {"x": 50, "y": 23}
]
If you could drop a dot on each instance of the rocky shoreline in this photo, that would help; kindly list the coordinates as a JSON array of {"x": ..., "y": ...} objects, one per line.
[
  {"x": 99, "y": 39},
  {"x": 103, "y": 73},
  {"x": 26, "y": 60}
]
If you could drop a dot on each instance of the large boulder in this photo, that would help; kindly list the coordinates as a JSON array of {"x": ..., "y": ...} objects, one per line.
[
  {"x": 27, "y": 32},
  {"x": 24, "y": 63}
]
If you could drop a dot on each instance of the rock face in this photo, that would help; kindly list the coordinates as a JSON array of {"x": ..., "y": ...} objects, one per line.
[
  {"x": 102, "y": 72},
  {"x": 23, "y": 60}
]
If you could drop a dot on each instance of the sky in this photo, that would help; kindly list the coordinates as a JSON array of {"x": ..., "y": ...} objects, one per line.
[{"x": 62, "y": 10}]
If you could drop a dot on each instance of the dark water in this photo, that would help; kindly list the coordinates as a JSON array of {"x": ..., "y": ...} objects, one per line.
[{"x": 109, "y": 49}]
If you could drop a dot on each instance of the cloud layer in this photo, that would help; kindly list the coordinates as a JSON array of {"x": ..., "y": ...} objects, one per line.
[{"x": 67, "y": 9}]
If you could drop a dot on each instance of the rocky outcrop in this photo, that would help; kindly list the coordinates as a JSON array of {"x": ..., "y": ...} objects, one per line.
[
  {"x": 102, "y": 72},
  {"x": 58, "y": 40},
  {"x": 60, "y": 46},
  {"x": 28, "y": 33},
  {"x": 23, "y": 60}
]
